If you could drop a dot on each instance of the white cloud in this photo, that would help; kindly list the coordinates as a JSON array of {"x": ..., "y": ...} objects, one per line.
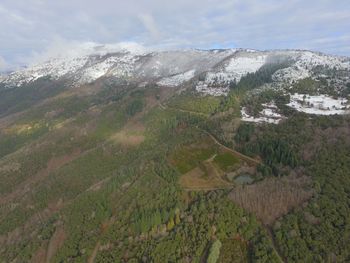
[
  {"x": 29, "y": 26},
  {"x": 149, "y": 23},
  {"x": 3, "y": 64},
  {"x": 61, "y": 48},
  {"x": 13, "y": 18}
]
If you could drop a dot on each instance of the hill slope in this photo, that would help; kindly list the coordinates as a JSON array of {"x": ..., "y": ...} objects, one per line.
[{"x": 118, "y": 154}]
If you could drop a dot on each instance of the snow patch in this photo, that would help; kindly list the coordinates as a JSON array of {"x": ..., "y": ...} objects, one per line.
[
  {"x": 202, "y": 87},
  {"x": 83, "y": 58},
  {"x": 305, "y": 62},
  {"x": 177, "y": 79},
  {"x": 217, "y": 83},
  {"x": 236, "y": 68},
  {"x": 268, "y": 115},
  {"x": 243, "y": 65},
  {"x": 291, "y": 74},
  {"x": 319, "y": 104}
]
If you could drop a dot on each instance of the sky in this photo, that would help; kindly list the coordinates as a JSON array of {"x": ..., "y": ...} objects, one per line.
[{"x": 31, "y": 28}]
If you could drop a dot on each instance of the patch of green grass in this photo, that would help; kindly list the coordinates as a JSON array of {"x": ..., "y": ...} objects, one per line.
[
  {"x": 108, "y": 124},
  {"x": 234, "y": 251},
  {"x": 201, "y": 104},
  {"x": 226, "y": 160},
  {"x": 12, "y": 142},
  {"x": 188, "y": 158}
]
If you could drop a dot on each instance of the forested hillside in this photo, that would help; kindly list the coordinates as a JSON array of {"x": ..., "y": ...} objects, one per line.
[{"x": 119, "y": 172}]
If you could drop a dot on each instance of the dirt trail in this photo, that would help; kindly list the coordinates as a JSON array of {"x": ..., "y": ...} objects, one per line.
[
  {"x": 55, "y": 243},
  {"x": 242, "y": 156},
  {"x": 208, "y": 188},
  {"x": 94, "y": 253},
  {"x": 274, "y": 244}
]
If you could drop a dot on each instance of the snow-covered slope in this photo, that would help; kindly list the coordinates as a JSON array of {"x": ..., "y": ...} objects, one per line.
[
  {"x": 211, "y": 70},
  {"x": 83, "y": 63},
  {"x": 236, "y": 67},
  {"x": 269, "y": 114},
  {"x": 232, "y": 69},
  {"x": 177, "y": 80},
  {"x": 305, "y": 62},
  {"x": 319, "y": 105}
]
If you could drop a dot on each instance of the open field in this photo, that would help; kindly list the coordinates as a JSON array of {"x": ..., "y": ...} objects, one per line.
[
  {"x": 206, "y": 176},
  {"x": 187, "y": 157},
  {"x": 226, "y": 161},
  {"x": 204, "y": 165},
  {"x": 130, "y": 135},
  {"x": 197, "y": 104},
  {"x": 233, "y": 251}
]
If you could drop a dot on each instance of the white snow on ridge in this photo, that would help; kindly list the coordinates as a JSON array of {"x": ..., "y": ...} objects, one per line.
[
  {"x": 87, "y": 62},
  {"x": 311, "y": 59},
  {"x": 170, "y": 63},
  {"x": 119, "y": 65},
  {"x": 217, "y": 83},
  {"x": 55, "y": 68},
  {"x": 177, "y": 80},
  {"x": 236, "y": 68},
  {"x": 96, "y": 71},
  {"x": 75, "y": 59},
  {"x": 291, "y": 74},
  {"x": 319, "y": 104},
  {"x": 244, "y": 65},
  {"x": 305, "y": 62}
]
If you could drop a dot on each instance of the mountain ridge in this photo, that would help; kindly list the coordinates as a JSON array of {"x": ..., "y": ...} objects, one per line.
[{"x": 139, "y": 65}]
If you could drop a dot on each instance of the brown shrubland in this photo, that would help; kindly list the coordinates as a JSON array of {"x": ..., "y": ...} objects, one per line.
[{"x": 273, "y": 197}]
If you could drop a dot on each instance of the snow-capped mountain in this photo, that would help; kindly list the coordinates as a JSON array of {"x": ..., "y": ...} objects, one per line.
[{"x": 213, "y": 70}]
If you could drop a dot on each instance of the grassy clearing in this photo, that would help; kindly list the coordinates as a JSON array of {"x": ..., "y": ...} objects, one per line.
[
  {"x": 234, "y": 251},
  {"x": 226, "y": 161},
  {"x": 201, "y": 104},
  {"x": 126, "y": 139},
  {"x": 203, "y": 165},
  {"x": 205, "y": 177},
  {"x": 131, "y": 135},
  {"x": 188, "y": 157}
]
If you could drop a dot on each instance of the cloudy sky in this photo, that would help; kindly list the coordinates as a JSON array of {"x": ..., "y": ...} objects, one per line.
[{"x": 30, "y": 27}]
